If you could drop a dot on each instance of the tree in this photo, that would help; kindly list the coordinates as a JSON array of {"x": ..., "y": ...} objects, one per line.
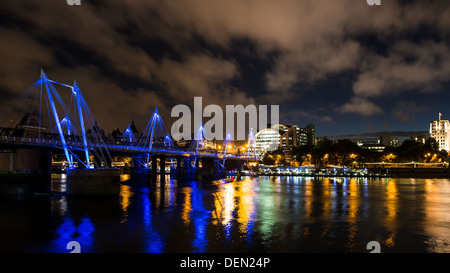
[
  {"x": 268, "y": 159},
  {"x": 411, "y": 150},
  {"x": 323, "y": 147},
  {"x": 302, "y": 154},
  {"x": 431, "y": 144},
  {"x": 275, "y": 157},
  {"x": 442, "y": 156}
]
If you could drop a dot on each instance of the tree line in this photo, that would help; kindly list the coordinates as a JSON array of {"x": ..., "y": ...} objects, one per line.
[{"x": 345, "y": 152}]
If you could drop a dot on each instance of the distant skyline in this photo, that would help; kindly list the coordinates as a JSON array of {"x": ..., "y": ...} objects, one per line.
[
  {"x": 345, "y": 66},
  {"x": 401, "y": 135}
]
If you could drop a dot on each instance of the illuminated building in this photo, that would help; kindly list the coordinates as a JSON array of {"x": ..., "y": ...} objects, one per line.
[
  {"x": 389, "y": 141},
  {"x": 310, "y": 134},
  {"x": 418, "y": 138},
  {"x": 267, "y": 140},
  {"x": 293, "y": 136},
  {"x": 31, "y": 126},
  {"x": 376, "y": 147},
  {"x": 284, "y": 136},
  {"x": 439, "y": 131}
]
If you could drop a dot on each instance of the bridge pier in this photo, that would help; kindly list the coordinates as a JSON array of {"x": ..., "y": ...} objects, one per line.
[
  {"x": 138, "y": 173},
  {"x": 204, "y": 169},
  {"x": 143, "y": 176},
  {"x": 162, "y": 169},
  {"x": 154, "y": 167},
  {"x": 99, "y": 162},
  {"x": 174, "y": 169},
  {"x": 93, "y": 181},
  {"x": 25, "y": 170}
]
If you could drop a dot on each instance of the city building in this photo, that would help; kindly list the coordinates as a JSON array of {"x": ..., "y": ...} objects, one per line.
[
  {"x": 31, "y": 126},
  {"x": 368, "y": 141},
  {"x": 439, "y": 130},
  {"x": 285, "y": 137},
  {"x": 375, "y": 147},
  {"x": 292, "y": 136},
  {"x": 267, "y": 140},
  {"x": 371, "y": 144},
  {"x": 311, "y": 134},
  {"x": 128, "y": 135},
  {"x": 389, "y": 141},
  {"x": 418, "y": 138}
]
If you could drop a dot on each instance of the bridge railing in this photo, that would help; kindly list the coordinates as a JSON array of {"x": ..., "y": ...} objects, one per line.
[
  {"x": 36, "y": 141},
  {"x": 28, "y": 140},
  {"x": 116, "y": 147}
]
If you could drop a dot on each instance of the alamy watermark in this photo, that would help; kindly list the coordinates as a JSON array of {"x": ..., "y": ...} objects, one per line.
[
  {"x": 374, "y": 2},
  {"x": 257, "y": 120},
  {"x": 374, "y": 246},
  {"x": 73, "y": 2},
  {"x": 75, "y": 247}
]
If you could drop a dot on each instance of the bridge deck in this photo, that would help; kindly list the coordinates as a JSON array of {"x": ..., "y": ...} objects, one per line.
[{"x": 120, "y": 148}]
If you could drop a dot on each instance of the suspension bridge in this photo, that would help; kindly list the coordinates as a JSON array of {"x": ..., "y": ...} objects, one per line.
[{"x": 53, "y": 118}]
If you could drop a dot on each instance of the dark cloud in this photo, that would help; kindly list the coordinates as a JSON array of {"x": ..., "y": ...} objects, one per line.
[
  {"x": 400, "y": 134},
  {"x": 408, "y": 66},
  {"x": 360, "y": 106},
  {"x": 131, "y": 56},
  {"x": 407, "y": 111}
]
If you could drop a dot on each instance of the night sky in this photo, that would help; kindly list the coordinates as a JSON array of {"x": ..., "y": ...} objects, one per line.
[{"x": 348, "y": 67}]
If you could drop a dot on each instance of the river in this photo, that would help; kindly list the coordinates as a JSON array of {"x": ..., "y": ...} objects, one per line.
[{"x": 247, "y": 214}]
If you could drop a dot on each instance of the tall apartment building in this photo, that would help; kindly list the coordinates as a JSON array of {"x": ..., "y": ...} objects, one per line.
[
  {"x": 285, "y": 137},
  {"x": 418, "y": 138},
  {"x": 311, "y": 134},
  {"x": 266, "y": 140},
  {"x": 439, "y": 130},
  {"x": 293, "y": 136}
]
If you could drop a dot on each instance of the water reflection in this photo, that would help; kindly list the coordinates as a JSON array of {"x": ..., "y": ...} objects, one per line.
[
  {"x": 154, "y": 243},
  {"x": 391, "y": 203},
  {"x": 268, "y": 214},
  {"x": 125, "y": 196},
  {"x": 437, "y": 211},
  {"x": 352, "y": 214},
  {"x": 199, "y": 217},
  {"x": 244, "y": 197},
  {"x": 266, "y": 203},
  {"x": 58, "y": 206},
  {"x": 68, "y": 231},
  {"x": 223, "y": 208},
  {"x": 187, "y": 206}
]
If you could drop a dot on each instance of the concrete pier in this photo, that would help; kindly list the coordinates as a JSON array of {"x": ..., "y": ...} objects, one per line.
[
  {"x": 208, "y": 171},
  {"x": 139, "y": 176},
  {"x": 93, "y": 181},
  {"x": 24, "y": 171}
]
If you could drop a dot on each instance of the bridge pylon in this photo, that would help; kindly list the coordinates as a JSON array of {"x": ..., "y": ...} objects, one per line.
[{"x": 33, "y": 119}]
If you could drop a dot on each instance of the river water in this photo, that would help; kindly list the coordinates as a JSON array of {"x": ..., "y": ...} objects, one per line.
[{"x": 263, "y": 214}]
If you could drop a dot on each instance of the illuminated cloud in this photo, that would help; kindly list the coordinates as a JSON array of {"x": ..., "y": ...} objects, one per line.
[
  {"x": 162, "y": 53},
  {"x": 360, "y": 106}
]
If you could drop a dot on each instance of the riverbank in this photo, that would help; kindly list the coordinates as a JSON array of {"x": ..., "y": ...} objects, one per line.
[
  {"x": 367, "y": 172},
  {"x": 418, "y": 172}
]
